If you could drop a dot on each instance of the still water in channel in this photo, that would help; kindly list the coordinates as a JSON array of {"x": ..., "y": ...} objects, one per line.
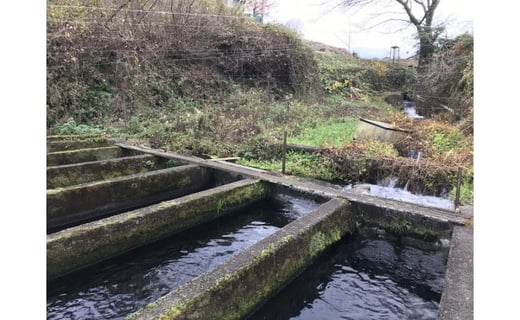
[
  {"x": 119, "y": 287},
  {"x": 367, "y": 276}
]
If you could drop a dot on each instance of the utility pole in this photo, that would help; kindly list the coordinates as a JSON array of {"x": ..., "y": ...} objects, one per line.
[
  {"x": 349, "y": 33},
  {"x": 393, "y": 55}
]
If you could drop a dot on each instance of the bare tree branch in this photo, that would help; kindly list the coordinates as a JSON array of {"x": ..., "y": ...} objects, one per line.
[
  {"x": 387, "y": 21},
  {"x": 408, "y": 10},
  {"x": 427, "y": 35},
  {"x": 419, "y": 2}
]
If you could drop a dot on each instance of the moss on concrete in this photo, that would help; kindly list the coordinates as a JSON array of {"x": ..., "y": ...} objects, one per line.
[
  {"x": 61, "y": 137},
  {"x": 237, "y": 287},
  {"x": 72, "y": 174},
  {"x": 320, "y": 241},
  {"x": 403, "y": 223},
  {"x": 63, "y": 145},
  {"x": 85, "y": 201},
  {"x": 82, "y": 155},
  {"x": 79, "y": 246}
]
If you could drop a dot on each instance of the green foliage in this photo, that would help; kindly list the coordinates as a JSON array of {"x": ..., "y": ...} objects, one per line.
[
  {"x": 259, "y": 147},
  {"x": 333, "y": 132},
  {"x": 466, "y": 191},
  {"x": 339, "y": 74},
  {"x": 297, "y": 163},
  {"x": 221, "y": 204},
  {"x": 399, "y": 225},
  {"x": 379, "y": 149},
  {"x": 234, "y": 103},
  {"x": 448, "y": 80},
  {"x": 269, "y": 165},
  {"x": 445, "y": 140},
  {"x": 95, "y": 78},
  {"x": 72, "y": 128},
  {"x": 402, "y": 77},
  {"x": 342, "y": 75}
]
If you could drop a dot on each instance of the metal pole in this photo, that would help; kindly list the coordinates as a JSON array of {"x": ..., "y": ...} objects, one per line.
[
  {"x": 284, "y": 148},
  {"x": 457, "y": 192}
]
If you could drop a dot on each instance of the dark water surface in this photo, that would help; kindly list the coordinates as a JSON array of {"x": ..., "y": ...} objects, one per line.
[
  {"x": 366, "y": 276},
  {"x": 119, "y": 287}
]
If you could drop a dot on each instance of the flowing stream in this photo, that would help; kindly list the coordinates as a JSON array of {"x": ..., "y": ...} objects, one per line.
[
  {"x": 387, "y": 189},
  {"x": 411, "y": 112}
]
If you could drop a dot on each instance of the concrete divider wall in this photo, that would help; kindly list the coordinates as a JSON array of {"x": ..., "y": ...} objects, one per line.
[
  {"x": 89, "y": 154},
  {"x": 63, "y": 145},
  {"x": 457, "y": 295},
  {"x": 77, "y": 173},
  {"x": 69, "y": 137},
  {"x": 403, "y": 222},
  {"x": 79, "y": 203},
  {"x": 243, "y": 283},
  {"x": 83, "y": 245}
]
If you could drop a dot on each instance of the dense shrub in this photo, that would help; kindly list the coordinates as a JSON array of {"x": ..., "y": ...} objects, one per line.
[
  {"x": 447, "y": 84},
  {"x": 107, "y": 59}
]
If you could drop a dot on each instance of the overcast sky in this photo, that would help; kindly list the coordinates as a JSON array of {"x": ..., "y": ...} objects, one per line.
[{"x": 317, "y": 21}]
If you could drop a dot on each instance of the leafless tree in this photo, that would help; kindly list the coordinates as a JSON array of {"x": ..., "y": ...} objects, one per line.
[{"x": 419, "y": 14}]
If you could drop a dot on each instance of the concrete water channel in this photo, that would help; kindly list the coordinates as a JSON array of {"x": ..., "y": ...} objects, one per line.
[{"x": 113, "y": 206}]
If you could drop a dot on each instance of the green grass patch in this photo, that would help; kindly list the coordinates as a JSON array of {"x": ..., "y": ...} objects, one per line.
[
  {"x": 466, "y": 192},
  {"x": 269, "y": 165},
  {"x": 70, "y": 127},
  {"x": 443, "y": 142},
  {"x": 297, "y": 163},
  {"x": 333, "y": 132}
]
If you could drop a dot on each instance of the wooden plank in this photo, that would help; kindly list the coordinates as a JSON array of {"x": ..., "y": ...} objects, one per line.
[
  {"x": 303, "y": 148},
  {"x": 225, "y": 159}
]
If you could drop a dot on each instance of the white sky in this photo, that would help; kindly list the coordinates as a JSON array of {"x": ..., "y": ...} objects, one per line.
[{"x": 317, "y": 23}]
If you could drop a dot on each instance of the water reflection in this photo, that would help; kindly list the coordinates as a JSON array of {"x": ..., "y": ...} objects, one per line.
[
  {"x": 116, "y": 288},
  {"x": 369, "y": 276}
]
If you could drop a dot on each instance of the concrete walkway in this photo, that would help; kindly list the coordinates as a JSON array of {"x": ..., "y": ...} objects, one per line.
[
  {"x": 288, "y": 181},
  {"x": 457, "y": 297}
]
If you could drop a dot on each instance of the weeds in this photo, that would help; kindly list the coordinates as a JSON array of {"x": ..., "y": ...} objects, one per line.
[
  {"x": 72, "y": 128},
  {"x": 334, "y": 132},
  {"x": 399, "y": 226},
  {"x": 235, "y": 103}
]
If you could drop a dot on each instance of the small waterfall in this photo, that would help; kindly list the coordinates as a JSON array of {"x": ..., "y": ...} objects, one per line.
[
  {"x": 389, "y": 182},
  {"x": 409, "y": 107},
  {"x": 412, "y": 113},
  {"x": 414, "y": 155}
]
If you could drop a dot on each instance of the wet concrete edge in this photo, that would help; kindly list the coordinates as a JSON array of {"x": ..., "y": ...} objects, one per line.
[
  {"x": 80, "y": 246},
  {"x": 457, "y": 296},
  {"x": 83, "y": 172},
  {"x": 82, "y": 155},
  {"x": 64, "y": 145},
  {"x": 78, "y": 203},
  {"x": 292, "y": 182},
  {"x": 240, "y": 285}
]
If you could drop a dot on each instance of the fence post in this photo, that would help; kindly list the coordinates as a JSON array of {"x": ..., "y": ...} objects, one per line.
[
  {"x": 457, "y": 191},
  {"x": 284, "y": 148}
]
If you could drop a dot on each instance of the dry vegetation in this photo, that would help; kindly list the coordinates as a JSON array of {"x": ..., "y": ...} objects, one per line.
[
  {"x": 199, "y": 78},
  {"x": 108, "y": 59}
]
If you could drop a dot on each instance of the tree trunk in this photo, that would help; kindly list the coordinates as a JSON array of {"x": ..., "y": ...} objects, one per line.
[{"x": 426, "y": 46}]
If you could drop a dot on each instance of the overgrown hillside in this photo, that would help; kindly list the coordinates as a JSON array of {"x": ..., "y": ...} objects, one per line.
[
  {"x": 110, "y": 60},
  {"x": 198, "y": 78}
]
